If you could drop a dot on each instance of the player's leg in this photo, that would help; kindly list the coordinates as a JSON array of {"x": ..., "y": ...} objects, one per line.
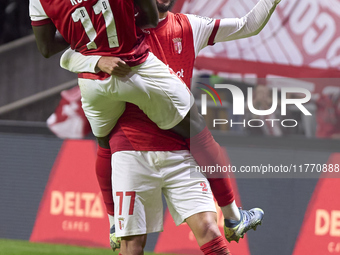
[
  {"x": 133, "y": 245},
  {"x": 196, "y": 207},
  {"x": 98, "y": 105},
  {"x": 234, "y": 228},
  {"x": 101, "y": 106},
  {"x": 204, "y": 227},
  {"x": 207, "y": 152},
  {"x": 103, "y": 172},
  {"x": 136, "y": 187},
  {"x": 207, "y": 234}
]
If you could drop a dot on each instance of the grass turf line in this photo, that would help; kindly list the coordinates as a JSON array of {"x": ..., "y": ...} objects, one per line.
[{"x": 19, "y": 247}]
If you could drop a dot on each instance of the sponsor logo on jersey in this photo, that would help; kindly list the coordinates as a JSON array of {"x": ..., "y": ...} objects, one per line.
[{"x": 178, "y": 45}]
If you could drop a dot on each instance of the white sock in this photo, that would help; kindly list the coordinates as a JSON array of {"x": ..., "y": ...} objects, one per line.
[{"x": 231, "y": 211}]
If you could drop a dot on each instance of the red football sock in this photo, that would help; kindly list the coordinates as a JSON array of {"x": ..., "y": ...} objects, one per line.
[
  {"x": 217, "y": 246},
  {"x": 207, "y": 152},
  {"x": 103, "y": 171}
]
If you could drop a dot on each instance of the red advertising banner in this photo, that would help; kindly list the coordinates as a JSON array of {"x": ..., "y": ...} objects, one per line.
[
  {"x": 320, "y": 232},
  {"x": 72, "y": 209}
]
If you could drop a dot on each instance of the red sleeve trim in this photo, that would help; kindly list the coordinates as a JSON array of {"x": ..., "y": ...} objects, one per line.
[
  {"x": 214, "y": 32},
  {"x": 94, "y": 76},
  {"x": 40, "y": 22}
]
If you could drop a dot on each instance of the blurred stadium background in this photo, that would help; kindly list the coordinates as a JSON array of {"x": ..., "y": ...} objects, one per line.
[{"x": 48, "y": 190}]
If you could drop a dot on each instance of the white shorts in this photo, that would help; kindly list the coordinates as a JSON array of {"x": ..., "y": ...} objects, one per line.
[
  {"x": 140, "y": 177},
  {"x": 163, "y": 97}
]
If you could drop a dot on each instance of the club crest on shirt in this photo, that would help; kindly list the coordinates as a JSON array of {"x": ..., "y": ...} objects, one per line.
[
  {"x": 121, "y": 221},
  {"x": 178, "y": 45}
]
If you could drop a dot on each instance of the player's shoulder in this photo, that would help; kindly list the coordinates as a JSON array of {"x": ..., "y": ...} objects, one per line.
[
  {"x": 177, "y": 16},
  {"x": 199, "y": 18},
  {"x": 200, "y": 21}
]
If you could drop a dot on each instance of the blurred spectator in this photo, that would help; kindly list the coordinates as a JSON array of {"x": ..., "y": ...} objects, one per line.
[
  {"x": 328, "y": 116},
  {"x": 14, "y": 20}
]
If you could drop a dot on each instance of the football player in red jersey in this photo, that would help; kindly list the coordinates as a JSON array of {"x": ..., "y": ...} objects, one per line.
[{"x": 189, "y": 34}]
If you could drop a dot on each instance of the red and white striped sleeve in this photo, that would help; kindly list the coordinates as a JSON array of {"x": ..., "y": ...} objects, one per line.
[
  {"x": 38, "y": 14},
  {"x": 204, "y": 31},
  {"x": 251, "y": 24},
  {"x": 207, "y": 31}
]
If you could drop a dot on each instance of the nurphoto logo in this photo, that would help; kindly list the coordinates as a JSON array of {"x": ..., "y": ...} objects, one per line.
[{"x": 238, "y": 105}]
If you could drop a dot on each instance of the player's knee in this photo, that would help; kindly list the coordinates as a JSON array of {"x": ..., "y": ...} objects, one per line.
[
  {"x": 133, "y": 245},
  {"x": 208, "y": 230},
  {"x": 204, "y": 227}
]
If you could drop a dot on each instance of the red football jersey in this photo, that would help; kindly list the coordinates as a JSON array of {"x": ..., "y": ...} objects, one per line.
[
  {"x": 105, "y": 27},
  {"x": 173, "y": 43}
]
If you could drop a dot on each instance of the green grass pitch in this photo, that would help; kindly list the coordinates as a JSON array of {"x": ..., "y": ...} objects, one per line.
[{"x": 19, "y": 247}]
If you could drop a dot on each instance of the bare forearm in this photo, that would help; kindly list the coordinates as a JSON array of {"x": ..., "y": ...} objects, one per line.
[
  {"x": 59, "y": 44},
  {"x": 49, "y": 41}
]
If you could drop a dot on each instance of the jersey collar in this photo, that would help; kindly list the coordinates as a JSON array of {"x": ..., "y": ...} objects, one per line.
[{"x": 162, "y": 22}]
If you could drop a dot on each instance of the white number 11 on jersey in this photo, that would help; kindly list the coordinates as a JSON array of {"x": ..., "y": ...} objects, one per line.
[{"x": 102, "y": 6}]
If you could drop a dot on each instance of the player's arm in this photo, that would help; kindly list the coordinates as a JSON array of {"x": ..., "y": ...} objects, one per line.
[
  {"x": 249, "y": 25},
  {"x": 49, "y": 41},
  {"x": 78, "y": 63},
  {"x": 207, "y": 31},
  {"x": 147, "y": 13}
]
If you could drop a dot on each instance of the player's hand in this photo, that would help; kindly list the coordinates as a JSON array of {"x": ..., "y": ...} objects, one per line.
[{"x": 113, "y": 66}]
